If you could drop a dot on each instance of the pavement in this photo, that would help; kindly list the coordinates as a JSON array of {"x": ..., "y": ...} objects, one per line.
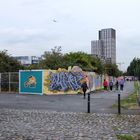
[
  {"x": 100, "y": 102},
  {"x": 64, "y": 117},
  {"x": 53, "y": 125}
]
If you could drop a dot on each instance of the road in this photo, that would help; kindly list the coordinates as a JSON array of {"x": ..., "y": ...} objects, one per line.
[{"x": 100, "y": 101}]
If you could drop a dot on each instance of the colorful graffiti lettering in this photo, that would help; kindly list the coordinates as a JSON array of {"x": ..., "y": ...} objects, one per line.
[{"x": 63, "y": 81}]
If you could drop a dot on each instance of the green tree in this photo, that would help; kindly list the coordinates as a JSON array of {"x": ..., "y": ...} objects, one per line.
[
  {"x": 134, "y": 68},
  {"x": 112, "y": 70},
  {"x": 8, "y": 63},
  {"x": 83, "y": 60},
  {"x": 52, "y": 59},
  {"x": 33, "y": 66}
]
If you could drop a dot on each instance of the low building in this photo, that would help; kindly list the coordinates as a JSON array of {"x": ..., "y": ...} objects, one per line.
[{"x": 28, "y": 60}]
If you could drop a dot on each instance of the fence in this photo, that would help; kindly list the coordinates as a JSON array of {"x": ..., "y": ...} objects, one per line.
[{"x": 9, "y": 82}]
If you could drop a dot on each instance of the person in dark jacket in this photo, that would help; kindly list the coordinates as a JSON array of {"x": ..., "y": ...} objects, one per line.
[
  {"x": 84, "y": 88},
  {"x": 111, "y": 85},
  {"x": 117, "y": 85}
]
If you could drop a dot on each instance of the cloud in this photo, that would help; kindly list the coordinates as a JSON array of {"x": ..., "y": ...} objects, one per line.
[
  {"x": 31, "y": 2},
  {"x": 17, "y": 35},
  {"x": 127, "y": 46},
  {"x": 28, "y": 25}
]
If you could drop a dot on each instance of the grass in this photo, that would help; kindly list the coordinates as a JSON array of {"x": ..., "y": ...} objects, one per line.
[
  {"x": 125, "y": 137},
  {"x": 128, "y": 137},
  {"x": 131, "y": 101}
]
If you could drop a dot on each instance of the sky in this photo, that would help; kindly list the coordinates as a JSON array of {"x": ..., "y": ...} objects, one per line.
[{"x": 30, "y": 27}]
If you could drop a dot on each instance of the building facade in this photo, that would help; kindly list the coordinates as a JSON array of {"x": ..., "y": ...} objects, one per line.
[
  {"x": 28, "y": 60},
  {"x": 105, "y": 47}
]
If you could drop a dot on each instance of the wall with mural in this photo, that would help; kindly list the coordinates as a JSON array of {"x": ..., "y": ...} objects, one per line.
[
  {"x": 30, "y": 82},
  {"x": 59, "y": 81},
  {"x": 63, "y": 81}
]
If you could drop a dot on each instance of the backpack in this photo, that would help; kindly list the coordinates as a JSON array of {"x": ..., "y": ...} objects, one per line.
[{"x": 84, "y": 85}]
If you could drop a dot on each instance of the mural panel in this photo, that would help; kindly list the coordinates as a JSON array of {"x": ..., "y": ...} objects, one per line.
[
  {"x": 62, "y": 81},
  {"x": 30, "y": 82}
]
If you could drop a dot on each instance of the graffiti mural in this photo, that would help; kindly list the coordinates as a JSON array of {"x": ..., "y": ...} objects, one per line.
[
  {"x": 91, "y": 81},
  {"x": 59, "y": 81},
  {"x": 30, "y": 82},
  {"x": 64, "y": 81},
  {"x": 69, "y": 82}
]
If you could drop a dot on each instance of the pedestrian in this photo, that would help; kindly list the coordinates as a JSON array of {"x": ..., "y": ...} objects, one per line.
[
  {"x": 84, "y": 88},
  {"x": 121, "y": 84},
  {"x": 117, "y": 84},
  {"x": 105, "y": 84},
  {"x": 111, "y": 85}
]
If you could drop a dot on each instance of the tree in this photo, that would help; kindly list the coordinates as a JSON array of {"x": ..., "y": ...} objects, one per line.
[
  {"x": 52, "y": 59},
  {"x": 112, "y": 70},
  {"x": 8, "y": 63},
  {"x": 83, "y": 60},
  {"x": 134, "y": 68}
]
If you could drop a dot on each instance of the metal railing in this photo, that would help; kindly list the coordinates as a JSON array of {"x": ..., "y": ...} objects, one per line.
[{"x": 9, "y": 82}]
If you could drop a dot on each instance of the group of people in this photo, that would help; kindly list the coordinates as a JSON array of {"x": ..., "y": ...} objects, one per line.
[
  {"x": 111, "y": 84},
  {"x": 107, "y": 85}
]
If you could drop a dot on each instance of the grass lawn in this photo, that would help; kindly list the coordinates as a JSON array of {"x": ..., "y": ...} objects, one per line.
[
  {"x": 131, "y": 102},
  {"x": 125, "y": 137}
]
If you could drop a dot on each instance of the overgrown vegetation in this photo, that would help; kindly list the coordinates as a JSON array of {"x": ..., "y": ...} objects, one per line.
[
  {"x": 134, "y": 68},
  {"x": 125, "y": 137},
  {"x": 55, "y": 59},
  {"x": 8, "y": 63},
  {"x": 131, "y": 101}
]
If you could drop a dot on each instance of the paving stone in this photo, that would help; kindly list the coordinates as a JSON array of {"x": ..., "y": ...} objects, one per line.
[{"x": 52, "y": 125}]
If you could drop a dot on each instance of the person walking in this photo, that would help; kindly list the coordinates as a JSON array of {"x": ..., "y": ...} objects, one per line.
[
  {"x": 111, "y": 85},
  {"x": 121, "y": 84},
  {"x": 105, "y": 84},
  {"x": 117, "y": 84},
  {"x": 84, "y": 88}
]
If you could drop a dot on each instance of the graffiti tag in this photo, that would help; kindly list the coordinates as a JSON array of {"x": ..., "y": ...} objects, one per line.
[{"x": 64, "y": 81}]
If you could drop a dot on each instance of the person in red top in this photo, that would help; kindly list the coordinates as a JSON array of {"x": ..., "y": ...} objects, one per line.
[{"x": 105, "y": 84}]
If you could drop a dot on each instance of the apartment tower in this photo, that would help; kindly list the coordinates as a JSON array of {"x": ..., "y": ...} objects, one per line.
[{"x": 105, "y": 47}]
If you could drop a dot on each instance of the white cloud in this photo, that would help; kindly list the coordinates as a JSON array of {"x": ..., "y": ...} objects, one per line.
[{"x": 27, "y": 25}]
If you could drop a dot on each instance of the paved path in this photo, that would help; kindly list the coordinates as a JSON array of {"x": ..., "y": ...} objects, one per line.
[
  {"x": 51, "y": 125},
  {"x": 100, "y": 102}
]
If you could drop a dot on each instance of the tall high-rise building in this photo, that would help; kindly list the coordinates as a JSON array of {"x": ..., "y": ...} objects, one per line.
[{"x": 105, "y": 47}]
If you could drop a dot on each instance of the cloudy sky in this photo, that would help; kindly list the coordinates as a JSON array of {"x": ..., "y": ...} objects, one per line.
[{"x": 30, "y": 27}]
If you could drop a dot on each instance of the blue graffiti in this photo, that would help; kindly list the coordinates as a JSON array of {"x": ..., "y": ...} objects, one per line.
[{"x": 64, "y": 81}]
